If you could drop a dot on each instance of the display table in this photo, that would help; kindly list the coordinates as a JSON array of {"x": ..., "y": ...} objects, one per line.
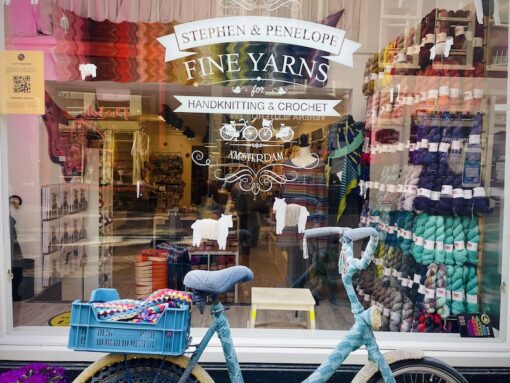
[{"x": 267, "y": 298}]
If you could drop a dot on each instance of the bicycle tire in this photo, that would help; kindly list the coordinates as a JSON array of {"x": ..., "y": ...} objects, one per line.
[
  {"x": 265, "y": 134},
  {"x": 141, "y": 369},
  {"x": 250, "y": 133},
  {"x": 432, "y": 370},
  {"x": 225, "y": 135}
]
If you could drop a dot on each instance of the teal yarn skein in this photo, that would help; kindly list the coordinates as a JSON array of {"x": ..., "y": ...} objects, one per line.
[
  {"x": 448, "y": 241},
  {"x": 407, "y": 238},
  {"x": 442, "y": 307},
  {"x": 439, "y": 255},
  {"x": 450, "y": 269},
  {"x": 459, "y": 245},
  {"x": 419, "y": 229},
  {"x": 471, "y": 289},
  {"x": 472, "y": 232},
  {"x": 458, "y": 294},
  {"x": 429, "y": 236}
]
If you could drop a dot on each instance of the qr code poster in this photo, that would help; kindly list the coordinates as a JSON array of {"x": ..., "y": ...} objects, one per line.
[{"x": 23, "y": 74}]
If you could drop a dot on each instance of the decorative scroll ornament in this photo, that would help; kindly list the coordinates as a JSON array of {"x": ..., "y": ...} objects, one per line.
[
  {"x": 258, "y": 181},
  {"x": 270, "y": 5}
]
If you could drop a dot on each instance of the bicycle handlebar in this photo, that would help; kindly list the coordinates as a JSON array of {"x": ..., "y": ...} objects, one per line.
[{"x": 360, "y": 233}]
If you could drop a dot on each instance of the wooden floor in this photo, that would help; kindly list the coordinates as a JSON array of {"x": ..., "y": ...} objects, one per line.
[{"x": 268, "y": 273}]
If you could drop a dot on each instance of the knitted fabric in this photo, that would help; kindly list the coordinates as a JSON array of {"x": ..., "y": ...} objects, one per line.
[
  {"x": 148, "y": 310},
  {"x": 471, "y": 279}
]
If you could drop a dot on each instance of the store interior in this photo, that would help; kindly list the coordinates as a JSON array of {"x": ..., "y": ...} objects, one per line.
[{"x": 127, "y": 184}]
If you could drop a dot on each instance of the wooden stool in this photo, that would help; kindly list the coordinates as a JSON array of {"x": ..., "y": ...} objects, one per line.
[{"x": 268, "y": 298}]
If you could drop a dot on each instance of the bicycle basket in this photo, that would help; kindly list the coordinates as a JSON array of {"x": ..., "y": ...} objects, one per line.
[{"x": 168, "y": 336}]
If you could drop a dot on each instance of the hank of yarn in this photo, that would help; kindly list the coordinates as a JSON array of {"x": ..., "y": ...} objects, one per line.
[
  {"x": 471, "y": 279},
  {"x": 459, "y": 244},
  {"x": 441, "y": 302}
]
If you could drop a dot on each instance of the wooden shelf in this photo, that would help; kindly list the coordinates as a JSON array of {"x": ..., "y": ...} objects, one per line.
[
  {"x": 497, "y": 67},
  {"x": 457, "y": 19}
]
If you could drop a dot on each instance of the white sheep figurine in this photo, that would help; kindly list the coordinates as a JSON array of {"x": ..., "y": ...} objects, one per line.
[
  {"x": 87, "y": 70},
  {"x": 212, "y": 229},
  {"x": 289, "y": 215}
]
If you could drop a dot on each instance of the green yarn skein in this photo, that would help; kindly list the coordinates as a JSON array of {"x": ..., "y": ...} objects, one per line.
[
  {"x": 471, "y": 289},
  {"x": 439, "y": 255},
  {"x": 429, "y": 236},
  {"x": 459, "y": 250},
  {"x": 458, "y": 300},
  {"x": 419, "y": 229},
  {"x": 448, "y": 241},
  {"x": 450, "y": 269},
  {"x": 472, "y": 232}
]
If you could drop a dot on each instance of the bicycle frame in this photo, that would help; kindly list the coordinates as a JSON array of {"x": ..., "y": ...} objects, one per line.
[{"x": 360, "y": 333}]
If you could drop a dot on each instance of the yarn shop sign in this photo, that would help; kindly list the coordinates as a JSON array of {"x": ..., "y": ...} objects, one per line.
[{"x": 251, "y": 70}]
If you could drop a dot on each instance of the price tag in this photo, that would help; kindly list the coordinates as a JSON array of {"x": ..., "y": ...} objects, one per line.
[
  {"x": 457, "y": 144},
  {"x": 413, "y": 189},
  {"x": 386, "y": 312},
  {"x": 448, "y": 248},
  {"x": 394, "y": 273},
  {"x": 395, "y": 316},
  {"x": 473, "y": 299},
  {"x": 444, "y": 90},
  {"x": 424, "y": 192},
  {"x": 468, "y": 95},
  {"x": 454, "y": 92},
  {"x": 430, "y": 293},
  {"x": 399, "y": 275},
  {"x": 376, "y": 184},
  {"x": 391, "y": 188},
  {"x": 477, "y": 93},
  {"x": 433, "y": 94},
  {"x": 479, "y": 192},
  {"x": 429, "y": 245},
  {"x": 458, "y": 193},
  {"x": 433, "y": 147},
  {"x": 366, "y": 298},
  {"x": 441, "y": 292},
  {"x": 387, "y": 272},
  {"x": 472, "y": 246},
  {"x": 417, "y": 278},
  {"x": 444, "y": 147},
  {"x": 468, "y": 194},
  {"x": 447, "y": 190},
  {"x": 400, "y": 188},
  {"x": 408, "y": 234},
  {"x": 424, "y": 143},
  {"x": 439, "y": 245},
  {"x": 474, "y": 139},
  {"x": 459, "y": 245},
  {"x": 435, "y": 196},
  {"x": 382, "y": 187},
  {"x": 419, "y": 241},
  {"x": 422, "y": 289},
  {"x": 458, "y": 295}
]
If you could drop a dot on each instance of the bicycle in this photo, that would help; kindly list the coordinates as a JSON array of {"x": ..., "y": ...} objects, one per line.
[
  {"x": 396, "y": 366},
  {"x": 285, "y": 133},
  {"x": 229, "y": 132}
]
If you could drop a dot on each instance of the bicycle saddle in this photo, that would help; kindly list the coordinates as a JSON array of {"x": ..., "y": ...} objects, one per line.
[{"x": 217, "y": 282}]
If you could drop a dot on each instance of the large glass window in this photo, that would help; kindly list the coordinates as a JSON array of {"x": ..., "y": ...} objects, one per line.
[{"x": 172, "y": 143}]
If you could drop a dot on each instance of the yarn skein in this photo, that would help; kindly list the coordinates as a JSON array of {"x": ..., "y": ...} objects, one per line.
[
  {"x": 458, "y": 294},
  {"x": 441, "y": 304},
  {"x": 429, "y": 237},
  {"x": 472, "y": 232},
  {"x": 471, "y": 279},
  {"x": 448, "y": 241},
  {"x": 439, "y": 256},
  {"x": 459, "y": 245}
]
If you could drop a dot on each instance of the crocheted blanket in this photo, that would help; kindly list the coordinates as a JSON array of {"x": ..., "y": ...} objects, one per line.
[{"x": 148, "y": 310}]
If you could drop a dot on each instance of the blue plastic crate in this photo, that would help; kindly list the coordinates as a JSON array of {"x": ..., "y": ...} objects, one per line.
[{"x": 169, "y": 336}]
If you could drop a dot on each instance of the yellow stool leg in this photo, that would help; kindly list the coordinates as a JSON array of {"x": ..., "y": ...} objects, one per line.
[
  {"x": 311, "y": 314},
  {"x": 253, "y": 316}
]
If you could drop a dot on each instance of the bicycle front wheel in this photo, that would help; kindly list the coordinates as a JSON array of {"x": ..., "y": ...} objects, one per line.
[
  {"x": 141, "y": 369},
  {"x": 423, "y": 370}
]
